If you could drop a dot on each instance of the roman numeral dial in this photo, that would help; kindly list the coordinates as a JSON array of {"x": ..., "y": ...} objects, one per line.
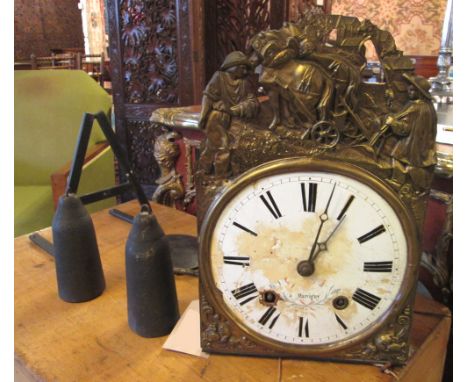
[
  {"x": 237, "y": 260},
  {"x": 366, "y": 299},
  {"x": 345, "y": 207},
  {"x": 267, "y": 318},
  {"x": 245, "y": 293},
  {"x": 255, "y": 236},
  {"x": 378, "y": 266},
  {"x": 245, "y": 229},
  {"x": 270, "y": 203},
  {"x": 303, "y": 327},
  {"x": 309, "y": 197},
  {"x": 371, "y": 234}
]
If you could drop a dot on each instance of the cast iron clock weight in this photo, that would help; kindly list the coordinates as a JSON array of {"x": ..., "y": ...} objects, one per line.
[
  {"x": 151, "y": 294},
  {"x": 310, "y": 205}
]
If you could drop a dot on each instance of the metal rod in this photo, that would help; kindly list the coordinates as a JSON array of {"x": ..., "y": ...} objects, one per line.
[
  {"x": 441, "y": 85},
  {"x": 80, "y": 153},
  {"x": 121, "y": 215},
  {"x": 106, "y": 193},
  {"x": 121, "y": 157},
  {"x": 42, "y": 243},
  {"x": 446, "y": 41}
]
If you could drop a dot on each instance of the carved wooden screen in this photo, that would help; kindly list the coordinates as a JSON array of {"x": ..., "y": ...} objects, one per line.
[
  {"x": 147, "y": 39},
  {"x": 230, "y": 23},
  {"x": 298, "y": 7}
]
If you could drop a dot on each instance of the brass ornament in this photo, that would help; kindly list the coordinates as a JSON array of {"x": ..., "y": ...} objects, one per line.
[
  {"x": 170, "y": 187},
  {"x": 175, "y": 117},
  {"x": 327, "y": 109},
  {"x": 191, "y": 145},
  {"x": 227, "y": 96},
  {"x": 390, "y": 345},
  {"x": 436, "y": 263},
  {"x": 171, "y": 190},
  {"x": 218, "y": 333}
]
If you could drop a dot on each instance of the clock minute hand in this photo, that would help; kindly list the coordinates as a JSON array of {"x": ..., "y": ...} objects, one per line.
[
  {"x": 314, "y": 246},
  {"x": 323, "y": 245},
  {"x": 323, "y": 219},
  {"x": 306, "y": 267}
]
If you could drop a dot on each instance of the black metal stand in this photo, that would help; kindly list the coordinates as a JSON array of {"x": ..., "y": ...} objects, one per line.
[
  {"x": 77, "y": 165},
  {"x": 79, "y": 157},
  {"x": 151, "y": 294}
]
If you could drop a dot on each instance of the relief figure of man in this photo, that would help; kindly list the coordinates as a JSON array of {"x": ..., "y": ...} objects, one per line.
[
  {"x": 227, "y": 96},
  {"x": 415, "y": 129}
]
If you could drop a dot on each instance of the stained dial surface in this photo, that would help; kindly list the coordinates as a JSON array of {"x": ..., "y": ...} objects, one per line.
[{"x": 270, "y": 227}]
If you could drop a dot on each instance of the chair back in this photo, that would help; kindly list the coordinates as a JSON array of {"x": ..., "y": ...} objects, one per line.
[
  {"x": 49, "y": 107},
  {"x": 54, "y": 61},
  {"x": 93, "y": 64}
]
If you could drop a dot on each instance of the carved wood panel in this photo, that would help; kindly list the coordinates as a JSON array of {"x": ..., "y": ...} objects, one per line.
[
  {"x": 142, "y": 135},
  {"x": 42, "y": 25},
  {"x": 230, "y": 23},
  {"x": 148, "y": 31},
  {"x": 150, "y": 51},
  {"x": 297, "y": 7}
]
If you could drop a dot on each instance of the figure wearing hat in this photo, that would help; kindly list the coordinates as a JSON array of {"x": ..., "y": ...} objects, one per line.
[
  {"x": 228, "y": 95},
  {"x": 383, "y": 40},
  {"x": 415, "y": 129}
]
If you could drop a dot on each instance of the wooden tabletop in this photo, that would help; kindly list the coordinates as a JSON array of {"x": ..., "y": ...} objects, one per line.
[{"x": 91, "y": 341}]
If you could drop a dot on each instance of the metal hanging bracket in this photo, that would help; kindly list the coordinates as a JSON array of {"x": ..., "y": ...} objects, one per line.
[{"x": 78, "y": 161}]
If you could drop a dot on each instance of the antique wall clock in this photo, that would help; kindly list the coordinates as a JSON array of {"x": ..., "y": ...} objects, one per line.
[
  {"x": 310, "y": 210},
  {"x": 308, "y": 256}
]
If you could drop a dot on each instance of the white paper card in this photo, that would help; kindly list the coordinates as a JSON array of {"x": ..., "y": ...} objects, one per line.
[
  {"x": 185, "y": 337},
  {"x": 444, "y": 134}
]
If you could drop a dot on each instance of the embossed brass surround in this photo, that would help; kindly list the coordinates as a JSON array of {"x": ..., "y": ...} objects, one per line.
[{"x": 292, "y": 165}]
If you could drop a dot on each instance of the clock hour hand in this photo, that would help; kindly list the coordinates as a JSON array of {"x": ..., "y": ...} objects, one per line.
[
  {"x": 323, "y": 245},
  {"x": 306, "y": 267}
]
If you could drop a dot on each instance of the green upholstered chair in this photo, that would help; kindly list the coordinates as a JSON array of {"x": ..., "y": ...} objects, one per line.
[{"x": 49, "y": 107}]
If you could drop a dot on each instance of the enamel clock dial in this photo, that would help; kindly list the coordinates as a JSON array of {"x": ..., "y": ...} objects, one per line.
[{"x": 308, "y": 255}]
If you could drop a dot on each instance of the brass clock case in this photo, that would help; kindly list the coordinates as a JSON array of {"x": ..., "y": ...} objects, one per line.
[{"x": 299, "y": 164}]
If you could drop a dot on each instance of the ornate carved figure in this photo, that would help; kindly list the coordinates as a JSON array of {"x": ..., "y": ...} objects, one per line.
[
  {"x": 170, "y": 186},
  {"x": 309, "y": 81},
  {"x": 190, "y": 192},
  {"x": 391, "y": 344},
  {"x": 342, "y": 66},
  {"x": 217, "y": 331},
  {"x": 438, "y": 263},
  {"x": 300, "y": 91},
  {"x": 413, "y": 130},
  {"x": 227, "y": 97},
  {"x": 383, "y": 41},
  {"x": 321, "y": 105}
]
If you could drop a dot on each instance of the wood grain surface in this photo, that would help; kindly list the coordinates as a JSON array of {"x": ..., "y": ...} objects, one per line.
[{"x": 91, "y": 341}]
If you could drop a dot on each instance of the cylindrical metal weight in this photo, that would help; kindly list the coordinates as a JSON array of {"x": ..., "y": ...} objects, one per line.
[
  {"x": 78, "y": 264},
  {"x": 151, "y": 294}
]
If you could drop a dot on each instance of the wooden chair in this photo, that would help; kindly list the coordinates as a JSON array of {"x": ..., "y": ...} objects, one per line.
[
  {"x": 46, "y": 130},
  {"x": 93, "y": 64},
  {"x": 23, "y": 65},
  {"x": 67, "y": 50},
  {"x": 54, "y": 61}
]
